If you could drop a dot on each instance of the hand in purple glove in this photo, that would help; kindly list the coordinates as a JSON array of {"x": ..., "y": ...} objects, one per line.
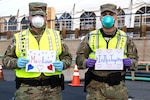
[
  {"x": 90, "y": 62},
  {"x": 127, "y": 62}
]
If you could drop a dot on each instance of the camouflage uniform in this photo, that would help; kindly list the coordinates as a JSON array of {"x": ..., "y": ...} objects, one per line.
[
  {"x": 27, "y": 92},
  {"x": 100, "y": 90}
]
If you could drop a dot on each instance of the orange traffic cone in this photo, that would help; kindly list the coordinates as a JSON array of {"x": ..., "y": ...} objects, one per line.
[
  {"x": 1, "y": 73},
  {"x": 76, "y": 78}
]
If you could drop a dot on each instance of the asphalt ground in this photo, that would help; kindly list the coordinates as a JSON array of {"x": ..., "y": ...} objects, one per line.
[{"x": 138, "y": 90}]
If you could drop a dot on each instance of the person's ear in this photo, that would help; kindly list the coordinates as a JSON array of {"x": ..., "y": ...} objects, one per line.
[
  {"x": 100, "y": 18},
  {"x": 29, "y": 18},
  {"x": 45, "y": 17},
  {"x": 116, "y": 18}
]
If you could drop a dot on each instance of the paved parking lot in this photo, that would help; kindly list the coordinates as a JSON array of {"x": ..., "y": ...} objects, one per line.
[{"x": 138, "y": 90}]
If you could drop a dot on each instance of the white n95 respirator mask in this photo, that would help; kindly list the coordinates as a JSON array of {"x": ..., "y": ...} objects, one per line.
[{"x": 37, "y": 21}]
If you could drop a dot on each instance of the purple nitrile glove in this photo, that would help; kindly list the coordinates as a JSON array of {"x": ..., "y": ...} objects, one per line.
[
  {"x": 90, "y": 62},
  {"x": 127, "y": 62}
]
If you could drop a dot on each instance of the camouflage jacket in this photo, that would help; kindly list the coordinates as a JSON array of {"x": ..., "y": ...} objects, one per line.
[
  {"x": 10, "y": 57},
  {"x": 84, "y": 50}
]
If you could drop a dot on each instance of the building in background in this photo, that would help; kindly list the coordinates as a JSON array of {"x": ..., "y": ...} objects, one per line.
[{"x": 85, "y": 15}]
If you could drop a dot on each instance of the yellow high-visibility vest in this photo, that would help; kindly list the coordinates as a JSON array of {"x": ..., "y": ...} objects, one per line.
[
  {"x": 50, "y": 40},
  {"x": 97, "y": 41}
]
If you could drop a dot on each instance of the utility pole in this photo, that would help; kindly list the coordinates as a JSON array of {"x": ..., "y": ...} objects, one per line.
[
  {"x": 51, "y": 17},
  {"x": 131, "y": 4}
]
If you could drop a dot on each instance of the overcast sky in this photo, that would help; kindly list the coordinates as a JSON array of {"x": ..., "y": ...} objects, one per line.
[{"x": 10, "y": 7}]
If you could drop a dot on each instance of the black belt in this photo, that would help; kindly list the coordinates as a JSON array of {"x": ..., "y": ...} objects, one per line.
[
  {"x": 42, "y": 82},
  {"x": 34, "y": 82},
  {"x": 111, "y": 79}
]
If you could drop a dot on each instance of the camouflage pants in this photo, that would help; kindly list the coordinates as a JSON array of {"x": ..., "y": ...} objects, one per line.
[
  {"x": 102, "y": 91},
  {"x": 26, "y": 92}
]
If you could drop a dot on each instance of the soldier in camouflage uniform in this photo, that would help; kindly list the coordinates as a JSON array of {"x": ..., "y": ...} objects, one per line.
[
  {"x": 37, "y": 85},
  {"x": 106, "y": 84}
]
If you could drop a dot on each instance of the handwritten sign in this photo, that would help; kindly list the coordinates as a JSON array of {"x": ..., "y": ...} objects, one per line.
[
  {"x": 40, "y": 61},
  {"x": 109, "y": 59}
]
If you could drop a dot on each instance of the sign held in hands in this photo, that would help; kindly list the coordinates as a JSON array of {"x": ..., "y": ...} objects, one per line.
[
  {"x": 109, "y": 59},
  {"x": 40, "y": 61}
]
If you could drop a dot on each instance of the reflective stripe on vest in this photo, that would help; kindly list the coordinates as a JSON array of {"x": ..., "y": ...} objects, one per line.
[
  {"x": 50, "y": 40},
  {"x": 96, "y": 41}
]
